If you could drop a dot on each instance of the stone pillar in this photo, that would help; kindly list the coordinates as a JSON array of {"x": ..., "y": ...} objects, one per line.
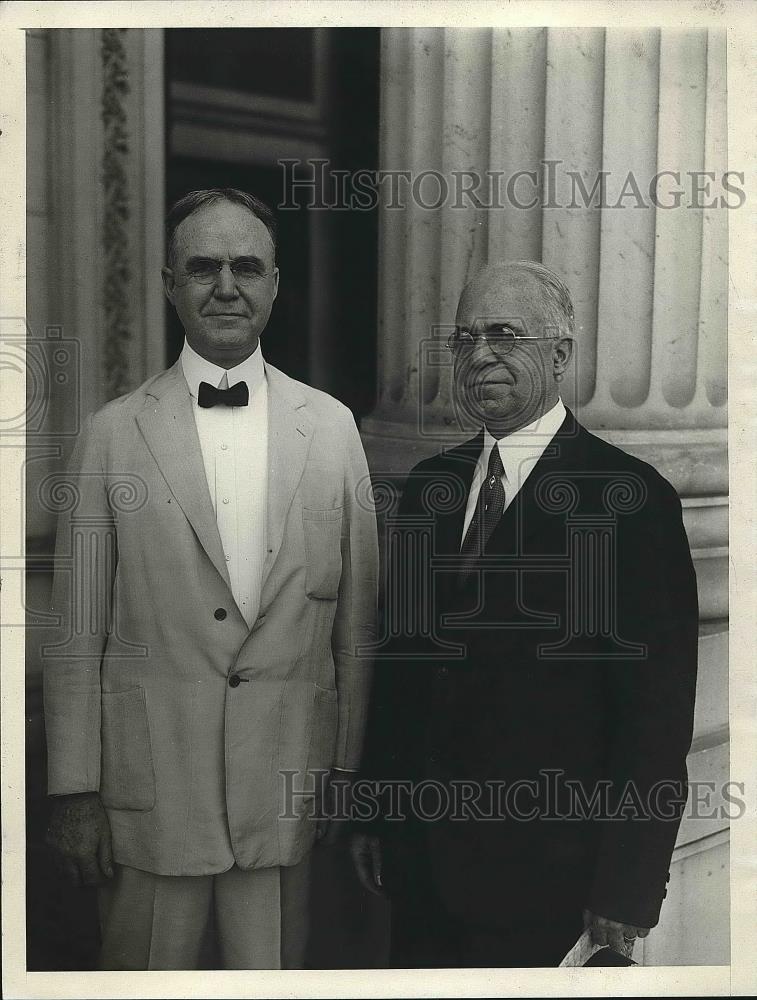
[
  {"x": 107, "y": 181},
  {"x": 564, "y": 106},
  {"x": 95, "y": 311},
  {"x": 96, "y": 237}
]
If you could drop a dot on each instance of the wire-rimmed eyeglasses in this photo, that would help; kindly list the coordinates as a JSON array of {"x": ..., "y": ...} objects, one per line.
[
  {"x": 207, "y": 270},
  {"x": 501, "y": 336}
]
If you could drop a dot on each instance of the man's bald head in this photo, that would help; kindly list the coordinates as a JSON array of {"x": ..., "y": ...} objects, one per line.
[{"x": 490, "y": 293}]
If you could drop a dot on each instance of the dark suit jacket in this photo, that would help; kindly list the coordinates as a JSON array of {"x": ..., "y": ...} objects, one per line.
[{"x": 578, "y": 665}]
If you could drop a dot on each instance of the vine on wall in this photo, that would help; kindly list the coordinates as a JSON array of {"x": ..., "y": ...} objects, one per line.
[{"x": 117, "y": 269}]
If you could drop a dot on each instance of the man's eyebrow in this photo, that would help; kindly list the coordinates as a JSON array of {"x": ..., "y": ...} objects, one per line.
[
  {"x": 513, "y": 324},
  {"x": 199, "y": 259},
  {"x": 203, "y": 259}
]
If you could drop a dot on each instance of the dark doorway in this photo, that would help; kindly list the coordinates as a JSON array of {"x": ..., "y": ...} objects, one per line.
[{"x": 240, "y": 101}]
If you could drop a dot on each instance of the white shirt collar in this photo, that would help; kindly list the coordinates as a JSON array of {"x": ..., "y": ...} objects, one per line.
[
  {"x": 523, "y": 448},
  {"x": 198, "y": 369}
]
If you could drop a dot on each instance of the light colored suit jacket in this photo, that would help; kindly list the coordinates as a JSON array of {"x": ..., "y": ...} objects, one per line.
[{"x": 142, "y": 701}]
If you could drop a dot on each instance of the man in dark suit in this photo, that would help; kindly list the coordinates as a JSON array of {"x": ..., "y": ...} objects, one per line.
[{"x": 541, "y": 722}]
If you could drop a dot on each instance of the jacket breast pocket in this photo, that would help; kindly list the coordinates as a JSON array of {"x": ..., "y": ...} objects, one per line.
[
  {"x": 323, "y": 551},
  {"x": 128, "y": 778}
]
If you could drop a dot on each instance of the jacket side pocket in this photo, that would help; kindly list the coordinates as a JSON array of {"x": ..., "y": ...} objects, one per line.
[{"x": 128, "y": 776}]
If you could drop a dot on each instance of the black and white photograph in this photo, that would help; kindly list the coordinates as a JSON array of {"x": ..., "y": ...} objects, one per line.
[{"x": 378, "y": 588}]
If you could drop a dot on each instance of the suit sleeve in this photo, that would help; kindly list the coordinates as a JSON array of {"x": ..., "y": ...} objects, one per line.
[
  {"x": 85, "y": 558},
  {"x": 355, "y": 621},
  {"x": 651, "y": 711}
]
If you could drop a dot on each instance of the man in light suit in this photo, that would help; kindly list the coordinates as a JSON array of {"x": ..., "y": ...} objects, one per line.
[
  {"x": 223, "y": 585},
  {"x": 561, "y": 664}
]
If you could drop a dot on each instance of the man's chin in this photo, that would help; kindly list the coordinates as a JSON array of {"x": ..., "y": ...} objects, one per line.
[
  {"x": 230, "y": 334},
  {"x": 504, "y": 418},
  {"x": 228, "y": 319},
  {"x": 219, "y": 349},
  {"x": 497, "y": 409}
]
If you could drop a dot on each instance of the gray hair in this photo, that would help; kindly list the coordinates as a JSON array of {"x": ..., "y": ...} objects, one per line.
[
  {"x": 195, "y": 200},
  {"x": 558, "y": 302}
]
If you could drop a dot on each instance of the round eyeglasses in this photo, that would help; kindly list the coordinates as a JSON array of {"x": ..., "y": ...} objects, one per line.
[
  {"x": 206, "y": 271},
  {"x": 500, "y": 337}
]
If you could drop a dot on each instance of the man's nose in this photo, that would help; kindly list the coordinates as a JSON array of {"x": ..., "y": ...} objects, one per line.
[
  {"x": 226, "y": 284},
  {"x": 481, "y": 353}
]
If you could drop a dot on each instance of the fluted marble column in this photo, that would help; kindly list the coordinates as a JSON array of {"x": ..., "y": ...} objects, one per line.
[
  {"x": 95, "y": 233},
  {"x": 96, "y": 308},
  {"x": 567, "y": 107},
  {"x": 649, "y": 283}
]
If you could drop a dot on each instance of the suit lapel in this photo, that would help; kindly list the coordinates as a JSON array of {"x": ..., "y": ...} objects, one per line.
[
  {"x": 526, "y": 514},
  {"x": 458, "y": 466},
  {"x": 525, "y": 511},
  {"x": 168, "y": 426},
  {"x": 290, "y": 434}
]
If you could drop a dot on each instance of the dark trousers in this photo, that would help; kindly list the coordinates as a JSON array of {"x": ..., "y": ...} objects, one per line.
[{"x": 425, "y": 934}]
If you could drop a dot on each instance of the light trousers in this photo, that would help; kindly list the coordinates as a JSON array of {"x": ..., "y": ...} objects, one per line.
[{"x": 160, "y": 921}]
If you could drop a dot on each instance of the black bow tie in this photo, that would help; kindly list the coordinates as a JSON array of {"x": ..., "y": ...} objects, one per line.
[{"x": 237, "y": 395}]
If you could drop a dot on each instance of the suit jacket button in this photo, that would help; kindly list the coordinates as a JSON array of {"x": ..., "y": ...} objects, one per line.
[
  {"x": 234, "y": 681},
  {"x": 219, "y": 614},
  {"x": 443, "y": 672}
]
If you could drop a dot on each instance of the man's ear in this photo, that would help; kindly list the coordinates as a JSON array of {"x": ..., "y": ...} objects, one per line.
[
  {"x": 275, "y": 282},
  {"x": 562, "y": 353},
  {"x": 169, "y": 284}
]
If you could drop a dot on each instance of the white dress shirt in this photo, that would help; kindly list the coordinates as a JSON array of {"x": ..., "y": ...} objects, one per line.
[
  {"x": 519, "y": 451},
  {"x": 234, "y": 443}
]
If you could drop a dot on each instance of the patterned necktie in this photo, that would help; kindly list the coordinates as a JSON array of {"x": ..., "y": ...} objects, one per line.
[
  {"x": 489, "y": 508},
  {"x": 237, "y": 395}
]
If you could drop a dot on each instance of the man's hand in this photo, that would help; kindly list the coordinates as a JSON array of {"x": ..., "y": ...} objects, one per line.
[
  {"x": 79, "y": 834},
  {"x": 620, "y": 937},
  {"x": 366, "y": 857}
]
